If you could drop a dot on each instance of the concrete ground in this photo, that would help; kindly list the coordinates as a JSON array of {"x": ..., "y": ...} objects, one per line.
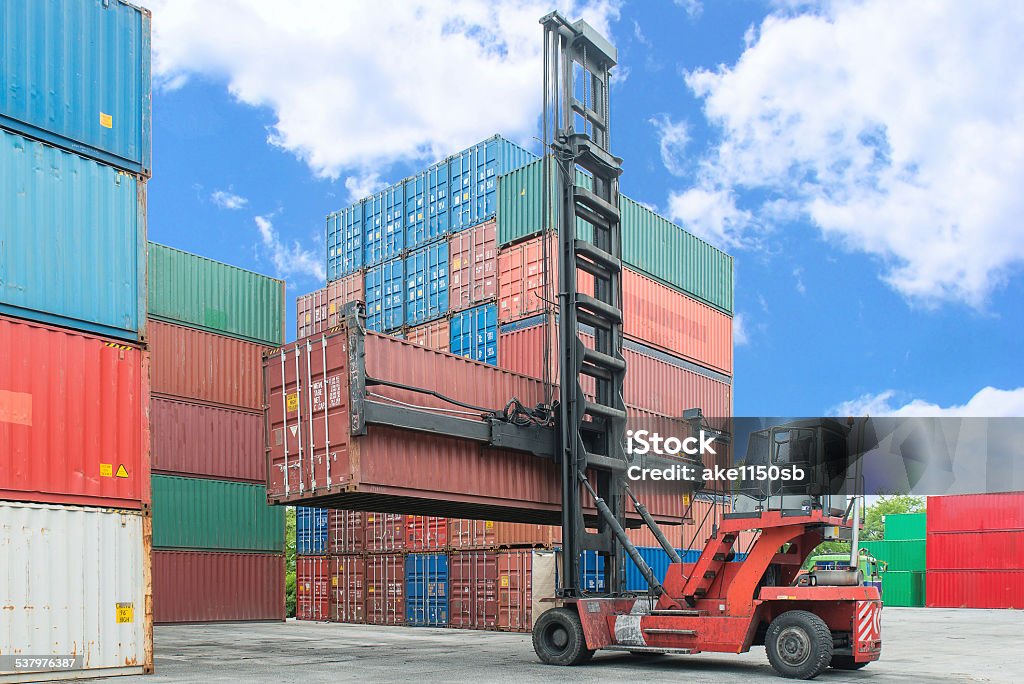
[{"x": 920, "y": 645}]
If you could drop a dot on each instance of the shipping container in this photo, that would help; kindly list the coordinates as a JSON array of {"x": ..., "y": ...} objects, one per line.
[
  {"x": 426, "y": 284},
  {"x": 205, "y": 586},
  {"x": 76, "y": 581},
  {"x": 473, "y": 179},
  {"x": 976, "y": 512},
  {"x": 385, "y": 296},
  {"x": 489, "y": 534},
  {"x": 528, "y": 280},
  {"x": 433, "y": 335},
  {"x": 74, "y": 417},
  {"x": 426, "y": 206},
  {"x": 344, "y": 242},
  {"x": 650, "y": 243},
  {"x": 904, "y": 589},
  {"x": 191, "y": 513},
  {"x": 312, "y": 588},
  {"x": 474, "y": 334},
  {"x": 322, "y": 310},
  {"x": 310, "y": 531},
  {"x": 426, "y": 589},
  {"x": 900, "y": 556},
  {"x": 383, "y": 230},
  {"x": 974, "y": 588},
  {"x": 644, "y": 537},
  {"x": 197, "y": 292},
  {"x": 473, "y": 269},
  {"x": 203, "y": 440},
  {"x": 203, "y": 366},
  {"x": 94, "y": 101},
  {"x": 384, "y": 532},
  {"x": 525, "y": 578},
  {"x": 999, "y": 550},
  {"x": 426, "y": 533},
  {"x": 473, "y": 589},
  {"x": 348, "y": 589},
  {"x": 387, "y": 468},
  {"x": 346, "y": 531},
  {"x": 385, "y": 589},
  {"x": 74, "y": 238},
  {"x": 901, "y": 526}
]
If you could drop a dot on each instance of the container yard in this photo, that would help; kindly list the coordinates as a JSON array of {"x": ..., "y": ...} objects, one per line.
[{"x": 433, "y": 470}]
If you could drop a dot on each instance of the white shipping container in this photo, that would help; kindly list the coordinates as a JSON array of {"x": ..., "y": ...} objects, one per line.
[{"x": 75, "y": 582}]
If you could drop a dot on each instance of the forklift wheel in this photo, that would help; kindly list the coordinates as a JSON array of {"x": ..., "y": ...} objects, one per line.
[
  {"x": 558, "y": 638},
  {"x": 799, "y": 644},
  {"x": 846, "y": 662}
]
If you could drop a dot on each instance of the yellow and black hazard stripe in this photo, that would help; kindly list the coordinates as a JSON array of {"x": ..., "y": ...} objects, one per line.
[{"x": 123, "y": 347}]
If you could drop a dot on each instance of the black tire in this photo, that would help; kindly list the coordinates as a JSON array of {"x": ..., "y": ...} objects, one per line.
[
  {"x": 558, "y": 638},
  {"x": 845, "y": 662},
  {"x": 799, "y": 645}
]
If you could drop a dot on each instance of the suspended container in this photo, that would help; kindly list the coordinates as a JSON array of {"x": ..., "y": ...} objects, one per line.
[
  {"x": 322, "y": 310},
  {"x": 426, "y": 589},
  {"x": 473, "y": 179},
  {"x": 312, "y": 588},
  {"x": 474, "y": 334},
  {"x": 383, "y": 227},
  {"x": 426, "y": 282},
  {"x": 205, "y": 586},
  {"x": 72, "y": 230},
  {"x": 385, "y": 296},
  {"x": 94, "y": 101},
  {"x": 347, "y": 589},
  {"x": 344, "y": 242},
  {"x": 473, "y": 589},
  {"x": 75, "y": 581},
  {"x": 385, "y": 589},
  {"x": 473, "y": 270},
  {"x": 311, "y": 531}
]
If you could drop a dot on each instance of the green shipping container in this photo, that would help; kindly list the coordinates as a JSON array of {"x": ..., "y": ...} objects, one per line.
[
  {"x": 194, "y": 513},
  {"x": 903, "y": 589},
  {"x": 202, "y": 293},
  {"x": 900, "y": 556},
  {"x": 650, "y": 243},
  {"x": 903, "y": 526}
]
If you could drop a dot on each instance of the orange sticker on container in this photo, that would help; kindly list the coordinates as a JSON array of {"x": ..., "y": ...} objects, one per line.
[
  {"x": 15, "y": 407},
  {"x": 106, "y": 120}
]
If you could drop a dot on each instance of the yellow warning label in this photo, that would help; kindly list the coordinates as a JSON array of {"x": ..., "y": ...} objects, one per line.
[
  {"x": 293, "y": 402},
  {"x": 125, "y": 613},
  {"x": 331, "y": 308},
  {"x": 122, "y": 471},
  {"x": 504, "y": 580},
  {"x": 488, "y": 524},
  {"x": 106, "y": 120},
  {"x": 106, "y": 470},
  {"x": 369, "y": 589}
]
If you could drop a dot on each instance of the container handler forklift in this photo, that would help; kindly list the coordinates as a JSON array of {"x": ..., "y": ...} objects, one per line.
[{"x": 823, "y": 618}]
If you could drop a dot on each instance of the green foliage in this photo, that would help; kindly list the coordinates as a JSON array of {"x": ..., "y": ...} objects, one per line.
[
  {"x": 873, "y": 518},
  {"x": 289, "y": 560}
]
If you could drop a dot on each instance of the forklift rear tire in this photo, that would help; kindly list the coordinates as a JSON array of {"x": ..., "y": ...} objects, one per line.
[
  {"x": 799, "y": 644},
  {"x": 558, "y": 638},
  {"x": 845, "y": 662}
]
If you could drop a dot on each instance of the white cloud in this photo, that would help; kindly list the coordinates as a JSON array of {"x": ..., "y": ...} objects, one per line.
[
  {"x": 359, "y": 186},
  {"x": 354, "y": 86},
  {"x": 289, "y": 260},
  {"x": 638, "y": 33},
  {"x": 989, "y": 402},
  {"x": 225, "y": 199},
  {"x": 619, "y": 74},
  {"x": 711, "y": 214},
  {"x": 673, "y": 136},
  {"x": 897, "y": 129},
  {"x": 798, "y": 274},
  {"x": 740, "y": 336},
  {"x": 693, "y": 7}
]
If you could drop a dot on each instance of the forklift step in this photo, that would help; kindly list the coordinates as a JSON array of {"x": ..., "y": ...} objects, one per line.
[
  {"x": 728, "y": 538},
  {"x": 700, "y": 593},
  {"x": 679, "y": 613},
  {"x": 709, "y": 574},
  {"x": 649, "y": 649},
  {"x": 719, "y": 558},
  {"x": 666, "y": 630}
]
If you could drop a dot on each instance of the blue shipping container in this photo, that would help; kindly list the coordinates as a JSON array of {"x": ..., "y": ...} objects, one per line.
[
  {"x": 474, "y": 333},
  {"x": 344, "y": 242},
  {"x": 592, "y": 567},
  {"x": 72, "y": 240},
  {"x": 310, "y": 531},
  {"x": 426, "y": 284},
  {"x": 77, "y": 75},
  {"x": 426, "y": 589},
  {"x": 473, "y": 179},
  {"x": 383, "y": 232},
  {"x": 385, "y": 296}
]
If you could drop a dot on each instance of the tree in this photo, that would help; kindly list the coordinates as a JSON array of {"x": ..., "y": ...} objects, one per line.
[
  {"x": 289, "y": 560},
  {"x": 874, "y": 518}
]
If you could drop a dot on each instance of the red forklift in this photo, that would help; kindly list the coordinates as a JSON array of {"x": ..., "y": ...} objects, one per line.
[{"x": 823, "y": 618}]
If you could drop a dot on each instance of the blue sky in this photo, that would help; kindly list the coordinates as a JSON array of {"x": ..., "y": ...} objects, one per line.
[{"x": 872, "y": 207}]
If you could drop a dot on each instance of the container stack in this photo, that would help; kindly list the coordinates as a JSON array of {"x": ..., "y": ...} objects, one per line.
[
  {"x": 976, "y": 551},
  {"x": 218, "y": 547},
  {"x": 74, "y": 367},
  {"x": 903, "y": 550}
]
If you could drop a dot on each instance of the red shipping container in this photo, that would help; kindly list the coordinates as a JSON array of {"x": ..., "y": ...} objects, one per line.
[
  {"x": 974, "y": 588},
  {"x": 321, "y": 310},
  {"x": 976, "y": 512},
  {"x": 1002, "y": 550},
  {"x": 384, "y": 532},
  {"x": 348, "y": 589},
  {"x": 312, "y": 592},
  {"x": 434, "y": 335},
  {"x": 521, "y": 278},
  {"x": 74, "y": 418},
  {"x": 525, "y": 578},
  {"x": 194, "y": 364},
  {"x": 426, "y": 533},
  {"x": 207, "y": 441},
  {"x": 490, "y": 534},
  {"x": 472, "y": 274},
  {"x": 473, "y": 589},
  {"x": 642, "y": 536},
  {"x": 385, "y": 589},
  {"x": 346, "y": 531},
  {"x": 202, "y": 586},
  {"x": 393, "y": 469}
]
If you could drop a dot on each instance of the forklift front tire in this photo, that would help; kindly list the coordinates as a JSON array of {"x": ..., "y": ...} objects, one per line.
[
  {"x": 558, "y": 638},
  {"x": 799, "y": 644}
]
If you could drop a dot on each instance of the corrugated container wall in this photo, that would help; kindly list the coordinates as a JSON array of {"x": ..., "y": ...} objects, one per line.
[
  {"x": 473, "y": 589},
  {"x": 976, "y": 512},
  {"x": 190, "y": 513},
  {"x": 346, "y": 531},
  {"x": 426, "y": 589},
  {"x": 899, "y": 526},
  {"x": 77, "y": 580},
  {"x": 344, "y": 242},
  {"x": 426, "y": 205},
  {"x": 433, "y": 335},
  {"x": 385, "y": 296},
  {"x": 975, "y": 589},
  {"x": 385, "y": 589},
  {"x": 901, "y": 556},
  {"x": 426, "y": 282},
  {"x": 348, "y": 589},
  {"x": 322, "y": 310},
  {"x": 73, "y": 233},
  {"x": 525, "y": 578},
  {"x": 426, "y": 533},
  {"x": 191, "y": 290},
  {"x": 473, "y": 179},
  {"x": 311, "y": 531},
  {"x": 383, "y": 234},
  {"x": 92, "y": 92},
  {"x": 207, "y": 441},
  {"x": 474, "y": 334},
  {"x": 203, "y": 586},
  {"x": 472, "y": 275},
  {"x": 74, "y": 417},
  {"x": 312, "y": 587}
]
